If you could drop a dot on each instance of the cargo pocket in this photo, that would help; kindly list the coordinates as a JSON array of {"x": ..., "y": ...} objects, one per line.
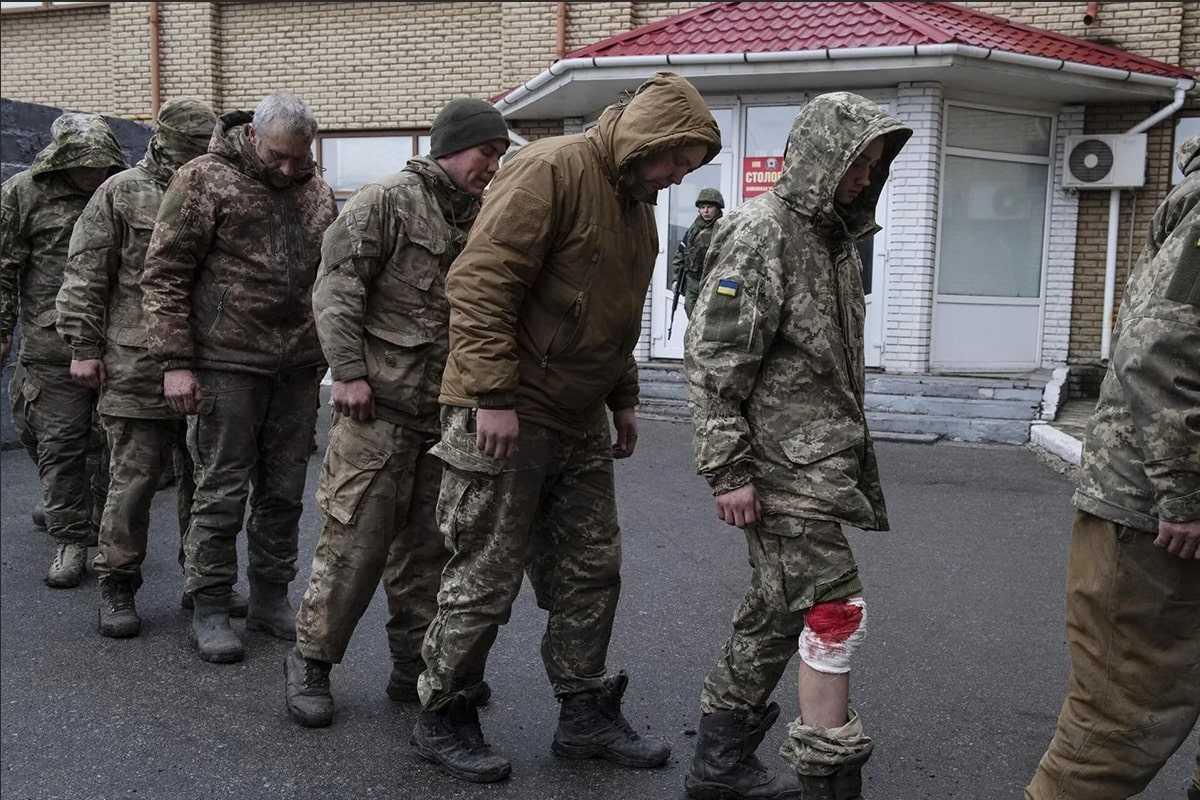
[
  {"x": 350, "y": 467},
  {"x": 822, "y": 440}
]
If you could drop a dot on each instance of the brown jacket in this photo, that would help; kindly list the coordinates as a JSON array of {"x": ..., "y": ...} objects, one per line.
[
  {"x": 546, "y": 298},
  {"x": 229, "y": 273}
]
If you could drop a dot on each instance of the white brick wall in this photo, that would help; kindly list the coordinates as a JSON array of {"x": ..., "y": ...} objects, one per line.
[
  {"x": 1060, "y": 257},
  {"x": 912, "y": 230}
]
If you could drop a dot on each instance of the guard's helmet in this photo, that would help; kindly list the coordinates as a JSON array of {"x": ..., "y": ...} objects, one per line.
[{"x": 712, "y": 197}]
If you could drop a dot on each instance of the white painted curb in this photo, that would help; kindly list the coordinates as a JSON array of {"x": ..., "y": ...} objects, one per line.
[{"x": 1051, "y": 439}]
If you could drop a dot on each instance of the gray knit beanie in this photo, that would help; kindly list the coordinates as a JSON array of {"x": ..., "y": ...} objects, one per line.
[{"x": 465, "y": 122}]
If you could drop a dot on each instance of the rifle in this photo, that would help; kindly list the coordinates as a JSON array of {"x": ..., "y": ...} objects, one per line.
[{"x": 680, "y": 288}]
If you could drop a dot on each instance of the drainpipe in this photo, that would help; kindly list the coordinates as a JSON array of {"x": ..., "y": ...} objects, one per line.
[
  {"x": 155, "y": 91},
  {"x": 560, "y": 30},
  {"x": 1114, "y": 213},
  {"x": 1092, "y": 13}
]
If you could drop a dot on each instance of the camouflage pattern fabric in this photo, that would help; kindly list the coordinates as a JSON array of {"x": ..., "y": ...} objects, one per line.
[
  {"x": 141, "y": 450},
  {"x": 251, "y": 429},
  {"x": 791, "y": 574},
  {"x": 38, "y": 209},
  {"x": 689, "y": 257},
  {"x": 823, "y": 751},
  {"x": 774, "y": 354},
  {"x": 1141, "y": 455},
  {"x": 378, "y": 491},
  {"x": 380, "y": 295},
  {"x": 548, "y": 511},
  {"x": 231, "y": 263}
]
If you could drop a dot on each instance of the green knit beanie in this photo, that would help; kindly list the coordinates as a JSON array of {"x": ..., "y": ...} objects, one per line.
[{"x": 465, "y": 122}]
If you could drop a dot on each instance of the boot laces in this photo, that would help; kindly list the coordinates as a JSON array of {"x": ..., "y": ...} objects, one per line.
[
  {"x": 314, "y": 676},
  {"x": 118, "y": 598}
]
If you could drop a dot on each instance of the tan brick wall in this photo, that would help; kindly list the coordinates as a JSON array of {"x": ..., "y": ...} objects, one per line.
[
  {"x": 646, "y": 12},
  {"x": 528, "y": 32},
  {"x": 589, "y": 22},
  {"x": 59, "y": 58}
]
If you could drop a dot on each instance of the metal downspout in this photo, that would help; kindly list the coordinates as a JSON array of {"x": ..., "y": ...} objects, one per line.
[
  {"x": 155, "y": 88},
  {"x": 1114, "y": 219}
]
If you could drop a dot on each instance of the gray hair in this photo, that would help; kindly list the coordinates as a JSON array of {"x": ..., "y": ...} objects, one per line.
[{"x": 286, "y": 112}]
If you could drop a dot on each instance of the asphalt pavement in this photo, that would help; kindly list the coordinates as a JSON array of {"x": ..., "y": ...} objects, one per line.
[{"x": 959, "y": 680}]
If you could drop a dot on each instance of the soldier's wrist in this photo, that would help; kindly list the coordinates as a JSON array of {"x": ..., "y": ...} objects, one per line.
[
  {"x": 86, "y": 352},
  {"x": 735, "y": 476},
  {"x": 498, "y": 401}
]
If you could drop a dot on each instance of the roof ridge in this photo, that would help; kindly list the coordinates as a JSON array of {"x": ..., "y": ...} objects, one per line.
[
  {"x": 921, "y": 26},
  {"x": 1061, "y": 37},
  {"x": 650, "y": 27}
]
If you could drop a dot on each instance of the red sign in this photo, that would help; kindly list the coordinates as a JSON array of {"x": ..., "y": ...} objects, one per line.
[{"x": 759, "y": 174}]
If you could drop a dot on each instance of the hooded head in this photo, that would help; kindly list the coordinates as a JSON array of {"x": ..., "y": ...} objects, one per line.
[
  {"x": 82, "y": 149},
  {"x": 827, "y": 137},
  {"x": 1188, "y": 157},
  {"x": 182, "y": 130},
  {"x": 661, "y": 134}
]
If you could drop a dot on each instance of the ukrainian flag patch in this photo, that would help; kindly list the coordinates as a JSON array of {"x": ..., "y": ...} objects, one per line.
[{"x": 727, "y": 287}]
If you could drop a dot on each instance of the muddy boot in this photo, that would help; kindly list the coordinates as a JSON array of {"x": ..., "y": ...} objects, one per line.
[
  {"x": 725, "y": 767},
  {"x": 451, "y": 738},
  {"x": 1194, "y": 792},
  {"x": 845, "y": 784},
  {"x": 210, "y": 631},
  {"x": 591, "y": 725},
  {"x": 66, "y": 566},
  {"x": 270, "y": 611},
  {"x": 306, "y": 690},
  {"x": 237, "y": 603},
  {"x": 118, "y": 614},
  {"x": 39, "y": 518}
]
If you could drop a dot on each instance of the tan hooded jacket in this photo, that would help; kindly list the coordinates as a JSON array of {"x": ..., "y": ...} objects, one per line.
[{"x": 546, "y": 299}]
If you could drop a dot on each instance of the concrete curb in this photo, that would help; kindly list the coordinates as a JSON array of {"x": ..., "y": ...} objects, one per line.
[{"x": 1056, "y": 442}]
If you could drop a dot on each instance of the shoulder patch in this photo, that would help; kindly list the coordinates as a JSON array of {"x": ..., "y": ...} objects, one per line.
[{"x": 728, "y": 287}]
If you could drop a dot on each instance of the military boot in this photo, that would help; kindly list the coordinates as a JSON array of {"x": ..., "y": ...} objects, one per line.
[
  {"x": 845, "y": 784},
  {"x": 402, "y": 685},
  {"x": 725, "y": 766},
  {"x": 270, "y": 611},
  {"x": 591, "y": 725},
  {"x": 1194, "y": 792},
  {"x": 118, "y": 618},
  {"x": 215, "y": 640},
  {"x": 451, "y": 738},
  {"x": 237, "y": 603},
  {"x": 66, "y": 565},
  {"x": 306, "y": 690}
]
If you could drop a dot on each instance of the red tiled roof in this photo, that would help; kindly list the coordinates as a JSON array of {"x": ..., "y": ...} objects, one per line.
[{"x": 764, "y": 27}]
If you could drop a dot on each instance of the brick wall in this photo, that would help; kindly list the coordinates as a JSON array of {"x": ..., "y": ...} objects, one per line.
[
  {"x": 1060, "y": 254},
  {"x": 58, "y": 58}
]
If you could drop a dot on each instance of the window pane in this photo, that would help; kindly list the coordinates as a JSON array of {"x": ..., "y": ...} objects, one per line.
[
  {"x": 724, "y": 118},
  {"x": 998, "y": 132},
  {"x": 992, "y": 230},
  {"x": 352, "y": 161},
  {"x": 767, "y": 129},
  {"x": 423, "y": 145}
]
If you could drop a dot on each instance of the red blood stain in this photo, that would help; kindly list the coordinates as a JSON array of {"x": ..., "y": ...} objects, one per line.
[{"x": 834, "y": 622}]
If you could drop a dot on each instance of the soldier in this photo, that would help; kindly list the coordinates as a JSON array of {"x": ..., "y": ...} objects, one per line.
[
  {"x": 383, "y": 319},
  {"x": 227, "y": 286},
  {"x": 1133, "y": 577},
  {"x": 100, "y": 318},
  {"x": 688, "y": 263},
  {"x": 545, "y": 308},
  {"x": 774, "y": 361},
  {"x": 38, "y": 209}
]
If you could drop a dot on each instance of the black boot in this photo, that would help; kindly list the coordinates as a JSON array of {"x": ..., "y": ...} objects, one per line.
[
  {"x": 118, "y": 618},
  {"x": 270, "y": 611},
  {"x": 306, "y": 690},
  {"x": 725, "y": 766},
  {"x": 845, "y": 784},
  {"x": 237, "y": 603},
  {"x": 210, "y": 632},
  {"x": 591, "y": 725},
  {"x": 1194, "y": 792},
  {"x": 451, "y": 738}
]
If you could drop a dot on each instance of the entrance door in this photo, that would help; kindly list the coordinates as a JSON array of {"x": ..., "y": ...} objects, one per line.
[{"x": 873, "y": 253}]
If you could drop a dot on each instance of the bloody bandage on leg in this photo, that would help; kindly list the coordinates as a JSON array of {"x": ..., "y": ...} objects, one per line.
[{"x": 832, "y": 631}]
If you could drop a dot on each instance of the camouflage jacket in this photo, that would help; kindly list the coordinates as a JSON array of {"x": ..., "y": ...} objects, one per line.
[
  {"x": 1141, "y": 456},
  {"x": 100, "y": 302},
  {"x": 380, "y": 296},
  {"x": 689, "y": 258},
  {"x": 38, "y": 209},
  {"x": 774, "y": 353},
  {"x": 229, "y": 271}
]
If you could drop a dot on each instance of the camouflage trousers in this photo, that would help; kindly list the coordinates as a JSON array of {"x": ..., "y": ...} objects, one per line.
[
  {"x": 1133, "y": 696},
  {"x": 378, "y": 491},
  {"x": 56, "y": 421},
  {"x": 142, "y": 449},
  {"x": 250, "y": 430},
  {"x": 550, "y": 512}
]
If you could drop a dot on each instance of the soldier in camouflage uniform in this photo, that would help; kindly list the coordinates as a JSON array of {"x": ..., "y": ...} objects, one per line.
[
  {"x": 383, "y": 320},
  {"x": 545, "y": 308},
  {"x": 100, "y": 318},
  {"x": 227, "y": 296},
  {"x": 774, "y": 362},
  {"x": 38, "y": 209},
  {"x": 688, "y": 263},
  {"x": 1133, "y": 578}
]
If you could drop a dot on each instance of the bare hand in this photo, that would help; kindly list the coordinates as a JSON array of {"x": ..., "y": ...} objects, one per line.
[
  {"x": 741, "y": 507},
  {"x": 88, "y": 372},
  {"x": 354, "y": 399},
  {"x": 496, "y": 431},
  {"x": 625, "y": 421},
  {"x": 5, "y": 344},
  {"x": 1180, "y": 538},
  {"x": 181, "y": 391}
]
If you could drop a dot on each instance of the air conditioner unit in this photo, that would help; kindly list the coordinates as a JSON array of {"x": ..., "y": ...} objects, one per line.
[{"x": 1116, "y": 161}]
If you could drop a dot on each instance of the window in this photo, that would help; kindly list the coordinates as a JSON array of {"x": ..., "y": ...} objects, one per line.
[{"x": 351, "y": 160}]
